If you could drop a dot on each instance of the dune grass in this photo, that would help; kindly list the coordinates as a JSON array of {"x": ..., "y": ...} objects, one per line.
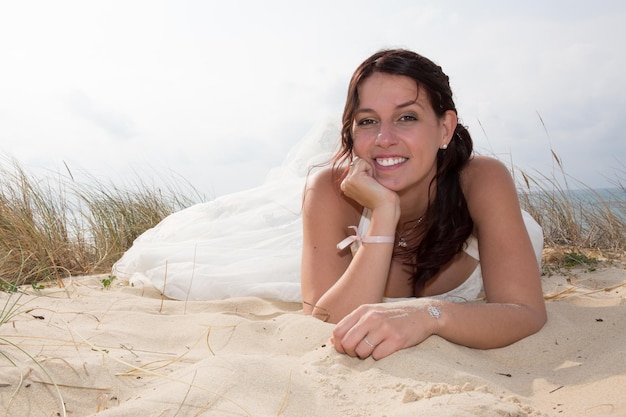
[
  {"x": 576, "y": 219},
  {"x": 55, "y": 227}
]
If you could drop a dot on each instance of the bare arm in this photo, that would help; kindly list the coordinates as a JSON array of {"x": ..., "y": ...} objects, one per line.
[
  {"x": 333, "y": 283},
  {"x": 511, "y": 277},
  {"x": 515, "y": 307}
]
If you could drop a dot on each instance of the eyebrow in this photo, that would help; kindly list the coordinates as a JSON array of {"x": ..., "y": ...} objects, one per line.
[{"x": 399, "y": 106}]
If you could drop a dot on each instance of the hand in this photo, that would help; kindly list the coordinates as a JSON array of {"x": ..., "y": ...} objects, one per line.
[
  {"x": 378, "y": 330},
  {"x": 361, "y": 186}
]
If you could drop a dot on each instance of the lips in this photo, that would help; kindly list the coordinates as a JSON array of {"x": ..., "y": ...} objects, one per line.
[{"x": 389, "y": 162}]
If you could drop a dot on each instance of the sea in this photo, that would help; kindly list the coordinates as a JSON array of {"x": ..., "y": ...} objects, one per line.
[{"x": 592, "y": 209}]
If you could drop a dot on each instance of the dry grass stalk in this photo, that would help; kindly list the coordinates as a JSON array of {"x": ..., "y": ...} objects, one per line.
[
  {"x": 55, "y": 227},
  {"x": 577, "y": 217}
]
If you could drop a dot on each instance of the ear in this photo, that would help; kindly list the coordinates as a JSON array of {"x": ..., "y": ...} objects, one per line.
[{"x": 448, "y": 123}]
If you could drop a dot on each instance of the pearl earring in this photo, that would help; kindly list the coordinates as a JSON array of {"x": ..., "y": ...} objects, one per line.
[{"x": 444, "y": 146}]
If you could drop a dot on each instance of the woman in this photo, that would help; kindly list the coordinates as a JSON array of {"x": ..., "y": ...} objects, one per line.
[{"x": 427, "y": 211}]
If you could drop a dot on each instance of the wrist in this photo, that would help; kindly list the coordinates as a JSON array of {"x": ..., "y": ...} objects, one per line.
[
  {"x": 384, "y": 219},
  {"x": 435, "y": 313},
  {"x": 390, "y": 206}
]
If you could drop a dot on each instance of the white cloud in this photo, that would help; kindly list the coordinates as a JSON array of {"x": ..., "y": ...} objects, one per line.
[{"x": 116, "y": 124}]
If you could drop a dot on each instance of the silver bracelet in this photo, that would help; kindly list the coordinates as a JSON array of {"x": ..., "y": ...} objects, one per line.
[{"x": 436, "y": 314}]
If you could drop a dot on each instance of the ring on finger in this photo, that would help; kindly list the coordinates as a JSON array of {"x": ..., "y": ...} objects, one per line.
[{"x": 367, "y": 342}]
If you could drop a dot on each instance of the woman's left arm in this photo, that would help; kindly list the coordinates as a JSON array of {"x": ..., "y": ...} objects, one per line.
[{"x": 515, "y": 306}]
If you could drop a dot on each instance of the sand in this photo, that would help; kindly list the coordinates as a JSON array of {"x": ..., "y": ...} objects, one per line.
[{"x": 124, "y": 351}]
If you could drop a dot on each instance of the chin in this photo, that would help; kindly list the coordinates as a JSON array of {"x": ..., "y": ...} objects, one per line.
[{"x": 391, "y": 185}]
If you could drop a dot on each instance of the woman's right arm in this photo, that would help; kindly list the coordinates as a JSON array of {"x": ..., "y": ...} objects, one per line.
[{"x": 333, "y": 282}]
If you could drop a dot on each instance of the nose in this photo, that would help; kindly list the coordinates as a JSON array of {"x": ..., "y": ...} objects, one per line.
[{"x": 385, "y": 138}]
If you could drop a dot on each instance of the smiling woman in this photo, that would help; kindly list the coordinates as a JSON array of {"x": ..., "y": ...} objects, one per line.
[
  {"x": 434, "y": 226},
  {"x": 393, "y": 110},
  {"x": 434, "y": 222}
]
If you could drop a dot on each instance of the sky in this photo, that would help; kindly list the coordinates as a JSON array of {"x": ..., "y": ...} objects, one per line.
[{"x": 217, "y": 92}]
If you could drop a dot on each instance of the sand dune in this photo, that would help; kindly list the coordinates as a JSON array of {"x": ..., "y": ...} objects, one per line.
[{"x": 123, "y": 351}]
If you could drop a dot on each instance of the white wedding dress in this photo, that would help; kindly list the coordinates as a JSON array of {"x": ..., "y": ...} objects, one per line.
[{"x": 249, "y": 243}]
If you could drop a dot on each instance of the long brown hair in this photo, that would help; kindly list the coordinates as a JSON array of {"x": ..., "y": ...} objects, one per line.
[{"x": 447, "y": 223}]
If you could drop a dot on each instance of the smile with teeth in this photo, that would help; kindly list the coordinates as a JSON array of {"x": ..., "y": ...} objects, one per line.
[{"x": 387, "y": 162}]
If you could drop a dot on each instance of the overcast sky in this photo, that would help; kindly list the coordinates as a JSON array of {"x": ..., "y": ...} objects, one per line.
[{"x": 218, "y": 92}]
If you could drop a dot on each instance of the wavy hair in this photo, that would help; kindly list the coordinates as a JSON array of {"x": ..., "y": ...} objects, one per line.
[{"x": 447, "y": 223}]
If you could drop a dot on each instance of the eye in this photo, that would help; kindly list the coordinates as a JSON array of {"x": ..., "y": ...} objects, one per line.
[
  {"x": 366, "y": 122},
  {"x": 408, "y": 118}
]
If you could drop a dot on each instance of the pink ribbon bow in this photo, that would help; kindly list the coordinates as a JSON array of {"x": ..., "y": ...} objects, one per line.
[{"x": 364, "y": 239}]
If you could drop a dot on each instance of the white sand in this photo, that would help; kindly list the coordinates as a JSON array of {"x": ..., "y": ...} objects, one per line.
[{"x": 124, "y": 352}]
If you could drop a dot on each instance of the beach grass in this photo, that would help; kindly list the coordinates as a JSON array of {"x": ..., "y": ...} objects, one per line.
[
  {"x": 581, "y": 224},
  {"x": 54, "y": 226}
]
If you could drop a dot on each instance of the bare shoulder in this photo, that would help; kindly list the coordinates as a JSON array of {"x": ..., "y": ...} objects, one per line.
[
  {"x": 481, "y": 174},
  {"x": 483, "y": 169},
  {"x": 322, "y": 181},
  {"x": 322, "y": 194},
  {"x": 488, "y": 185}
]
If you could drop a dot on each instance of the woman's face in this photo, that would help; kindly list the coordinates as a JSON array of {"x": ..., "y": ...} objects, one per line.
[{"x": 396, "y": 130}]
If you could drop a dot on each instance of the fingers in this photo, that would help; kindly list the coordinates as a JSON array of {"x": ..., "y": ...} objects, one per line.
[
  {"x": 369, "y": 346},
  {"x": 355, "y": 336},
  {"x": 355, "y": 166},
  {"x": 361, "y": 185},
  {"x": 359, "y": 179},
  {"x": 372, "y": 330},
  {"x": 363, "y": 348},
  {"x": 341, "y": 330},
  {"x": 358, "y": 166}
]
